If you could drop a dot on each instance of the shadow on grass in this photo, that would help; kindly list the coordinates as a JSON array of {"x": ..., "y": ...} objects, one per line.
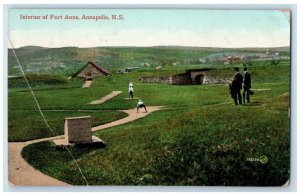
[
  {"x": 255, "y": 103},
  {"x": 86, "y": 147}
]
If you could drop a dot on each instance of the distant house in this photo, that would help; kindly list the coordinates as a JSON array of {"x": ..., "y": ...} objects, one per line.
[
  {"x": 175, "y": 63},
  {"x": 158, "y": 67},
  {"x": 272, "y": 53},
  {"x": 146, "y": 64},
  {"x": 202, "y": 60},
  {"x": 91, "y": 70}
]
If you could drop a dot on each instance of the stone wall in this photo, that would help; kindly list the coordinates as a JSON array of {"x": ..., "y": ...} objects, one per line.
[
  {"x": 187, "y": 78},
  {"x": 155, "y": 79},
  {"x": 216, "y": 80},
  {"x": 78, "y": 129},
  {"x": 183, "y": 79}
]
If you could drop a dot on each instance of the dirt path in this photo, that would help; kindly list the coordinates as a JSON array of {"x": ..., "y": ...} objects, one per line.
[
  {"x": 106, "y": 98},
  {"x": 132, "y": 115},
  {"x": 87, "y": 84},
  {"x": 23, "y": 174}
]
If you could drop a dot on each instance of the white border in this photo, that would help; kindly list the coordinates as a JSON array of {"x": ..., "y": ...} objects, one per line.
[{"x": 214, "y": 5}]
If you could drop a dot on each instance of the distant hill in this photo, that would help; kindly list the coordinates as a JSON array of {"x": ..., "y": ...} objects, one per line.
[
  {"x": 285, "y": 48},
  {"x": 67, "y": 60}
]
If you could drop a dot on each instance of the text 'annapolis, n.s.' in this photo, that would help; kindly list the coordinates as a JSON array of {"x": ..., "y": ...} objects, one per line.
[{"x": 101, "y": 17}]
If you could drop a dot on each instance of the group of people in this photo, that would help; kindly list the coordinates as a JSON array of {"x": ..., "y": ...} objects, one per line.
[
  {"x": 236, "y": 86},
  {"x": 140, "y": 103}
]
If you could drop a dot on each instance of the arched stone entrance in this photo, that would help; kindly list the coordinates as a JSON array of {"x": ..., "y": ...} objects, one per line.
[
  {"x": 199, "y": 79},
  {"x": 191, "y": 76}
]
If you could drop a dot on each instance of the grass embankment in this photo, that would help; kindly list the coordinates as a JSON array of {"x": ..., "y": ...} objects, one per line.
[
  {"x": 36, "y": 80},
  {"x": 207, "y": 145}
]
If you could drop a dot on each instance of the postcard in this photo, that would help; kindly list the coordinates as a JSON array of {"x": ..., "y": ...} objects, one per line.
[{"x": 163, "y": 97}]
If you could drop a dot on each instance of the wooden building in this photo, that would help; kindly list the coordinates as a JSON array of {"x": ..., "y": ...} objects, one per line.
[{"x": 91, "y": 70}]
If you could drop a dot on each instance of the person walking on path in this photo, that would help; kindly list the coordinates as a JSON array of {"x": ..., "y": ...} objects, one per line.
[
  {"x": 236, "y": 87},
  {"x": 140, "y": 104},
  {"x": 247, "y": 85},
  {"x": 130, "y": 95}
]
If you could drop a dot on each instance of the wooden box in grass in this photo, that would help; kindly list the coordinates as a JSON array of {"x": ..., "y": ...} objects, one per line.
[{"x": 78, "y": 129}]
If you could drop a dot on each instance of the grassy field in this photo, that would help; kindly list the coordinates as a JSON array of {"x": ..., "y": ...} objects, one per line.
[
  {"x": 24, "y": 120},
  {"x": 201, "y": 138}
]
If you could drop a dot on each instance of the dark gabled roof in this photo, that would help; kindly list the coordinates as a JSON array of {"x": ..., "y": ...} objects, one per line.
[
  {"x": 99, "y": 68},
  {"x": 95, "y": 66}
]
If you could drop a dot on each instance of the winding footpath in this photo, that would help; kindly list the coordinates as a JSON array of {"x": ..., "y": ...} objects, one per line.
[
  {"x": 20, "y": 173},
  {"x": 132, "y": 115}
]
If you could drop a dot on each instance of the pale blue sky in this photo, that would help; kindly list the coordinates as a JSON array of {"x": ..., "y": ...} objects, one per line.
[{"x": 145, "y": 27}]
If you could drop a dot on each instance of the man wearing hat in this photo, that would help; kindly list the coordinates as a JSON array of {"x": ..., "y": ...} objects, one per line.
[
  {"x": 247, "y": 85},
  {"x": 236, "y": 86}
]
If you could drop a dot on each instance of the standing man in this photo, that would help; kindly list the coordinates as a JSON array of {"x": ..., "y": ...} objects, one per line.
[
  {"x": 130, "y": 84},
  {"x": 130, "y": 90},
  {"x": 247, "y": 85},
  {"x": 236, "y": 86}
]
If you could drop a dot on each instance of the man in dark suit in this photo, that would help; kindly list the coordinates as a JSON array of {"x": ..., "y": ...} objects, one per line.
[
  {"x": 247, "y": 85},
  {"x": 236, "y": 86}
]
